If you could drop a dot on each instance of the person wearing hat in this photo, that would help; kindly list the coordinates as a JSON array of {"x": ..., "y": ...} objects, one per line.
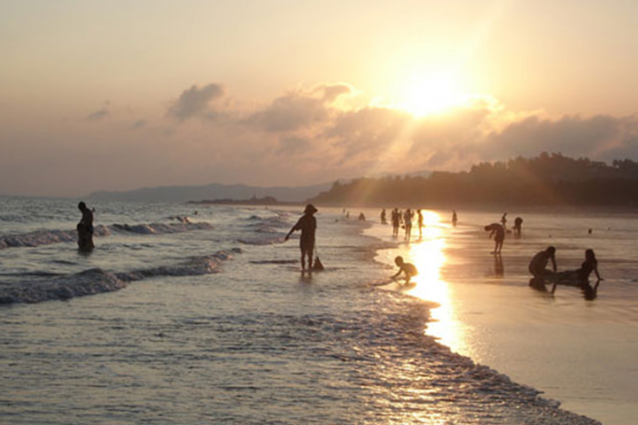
[{"x": 308, "y": 225}]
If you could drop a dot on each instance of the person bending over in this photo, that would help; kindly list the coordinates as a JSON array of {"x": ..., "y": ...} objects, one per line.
[{"x": 498, "y": 232}]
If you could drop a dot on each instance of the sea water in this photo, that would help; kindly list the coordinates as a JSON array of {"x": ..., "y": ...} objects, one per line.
[{"x": 170, "y": 322}]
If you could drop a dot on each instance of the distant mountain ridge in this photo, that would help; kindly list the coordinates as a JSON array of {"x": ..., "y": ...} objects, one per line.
[{"x": 210, "y": 192}]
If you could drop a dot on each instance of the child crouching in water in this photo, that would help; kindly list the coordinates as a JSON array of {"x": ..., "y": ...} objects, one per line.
[{"x": 407, "y": 268}]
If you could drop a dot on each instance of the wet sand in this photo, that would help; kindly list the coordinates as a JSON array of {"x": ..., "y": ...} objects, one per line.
[{"x": 579, "y": 352}]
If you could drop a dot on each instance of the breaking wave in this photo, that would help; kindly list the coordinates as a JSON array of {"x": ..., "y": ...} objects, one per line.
[
  {"x": 265, "y": 230},
  {"x": 48, "y": 237},
  {"x": 96, "y": 281},
  {"x": 160, "y": 228}
]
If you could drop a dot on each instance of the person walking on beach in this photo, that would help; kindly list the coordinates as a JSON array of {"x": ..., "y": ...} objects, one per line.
[
  {"x": 498, "y": 231},
  {"x": 407, "y": 268},
  {"x": 420, "y": 222},
  {"x": 383, "y": 219},
  {"x": 455, "y": 218},
  {"x": 407, "y": 220},
  {"x": 85, "y": 229},
  {"x": 538, "y": 266},
  {"x": 307, "y": 224}
]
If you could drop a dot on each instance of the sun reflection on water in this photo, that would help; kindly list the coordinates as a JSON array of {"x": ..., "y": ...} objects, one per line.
[{"x": 428, "y": 255}]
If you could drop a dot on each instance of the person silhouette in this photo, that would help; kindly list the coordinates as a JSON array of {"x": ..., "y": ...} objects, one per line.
[
  {"x": 307, "y": 224},
  {"x": 538, "y": 266},
  {"x": 420, "y": 222},
  {"x": 518, "y": 226},
  {"x": 85, "y": 229},
  {"x": 498, "y": 232},
  {"x": 408, "y": 269}
]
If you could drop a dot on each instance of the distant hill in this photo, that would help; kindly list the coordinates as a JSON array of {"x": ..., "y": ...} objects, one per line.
[{"x": 211, "y": 191}]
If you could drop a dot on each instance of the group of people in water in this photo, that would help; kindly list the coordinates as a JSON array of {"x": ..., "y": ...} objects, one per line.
[
  {"x": 404, "y": 220},
  {"x": 307, "y": 225}
]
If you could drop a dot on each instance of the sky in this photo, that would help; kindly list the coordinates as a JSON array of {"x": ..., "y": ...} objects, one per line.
[{"x": 119, "y": 95}]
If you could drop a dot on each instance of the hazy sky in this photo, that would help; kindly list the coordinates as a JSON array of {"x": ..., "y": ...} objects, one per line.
[{"x": 122, "y": 94}]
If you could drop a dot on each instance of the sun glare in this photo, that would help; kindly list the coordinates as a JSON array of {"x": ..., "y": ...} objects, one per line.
[
  {"x": 429, "y": 257},
  {"x": 431, "y": 94}
]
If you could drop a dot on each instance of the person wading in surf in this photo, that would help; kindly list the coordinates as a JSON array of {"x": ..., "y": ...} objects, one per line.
[
  {"x": 308, "y": 225},
  {"x": 85, "y": 229}
]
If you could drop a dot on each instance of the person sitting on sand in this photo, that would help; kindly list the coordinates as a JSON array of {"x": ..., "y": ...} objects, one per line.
[
  {"x": 85, "y": 229},
  {"x": 538, "y": 265},
  {"x": 407, "y": 268},
  {"x": 581, "y": 275},
  {"x": 308, "y": 225},
  {"x": 498, "y": 232}
]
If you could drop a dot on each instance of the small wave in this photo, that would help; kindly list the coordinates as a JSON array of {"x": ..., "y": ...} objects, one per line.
[
  {"x": 161, "y": 228},
  {"x": 46, "y": 237},
  {"x": 88, "y": 282},
  {"x": 262, "y": 240},
  {"x": 95, "y": 281},
  {"x": 274, "y": 262}
]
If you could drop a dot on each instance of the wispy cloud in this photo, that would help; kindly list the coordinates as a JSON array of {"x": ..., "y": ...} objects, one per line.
[{"x": 99, "y": 114}]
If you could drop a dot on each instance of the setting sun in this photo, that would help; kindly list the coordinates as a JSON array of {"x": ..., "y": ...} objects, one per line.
[{"x": 434, "y": 93}]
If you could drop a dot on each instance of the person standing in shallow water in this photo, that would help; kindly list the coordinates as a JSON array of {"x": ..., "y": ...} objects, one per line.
[
  {"x": 504, "y": 221},
  {"x": 407, "y": 220},
  {"x": 396, "y": 222},
  {"x": 420, "y": 222},
  {"x": 518, "y": 226},
  {"x": 85, "y": 229},
  {"x": 307, "y": 224}
]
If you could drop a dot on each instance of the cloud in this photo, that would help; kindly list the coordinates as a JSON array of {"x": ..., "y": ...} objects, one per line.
[
  {"x": 100, "y": 114},
  {"x": 299, "y": 109},
  {"x": 363, "y": 134},
  {"x": 195, "y": 101},
  {"x": 600, "y": 136},
  {"x": 293, "y": 145},
  {"x": 331, "y": 92},
  {"x": 306, "y": 135}
]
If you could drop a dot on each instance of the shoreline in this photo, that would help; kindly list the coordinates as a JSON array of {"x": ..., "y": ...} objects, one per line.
[{"x": 567, "y": 416}]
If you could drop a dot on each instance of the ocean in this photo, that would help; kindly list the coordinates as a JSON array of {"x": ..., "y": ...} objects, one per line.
[{"x": 211, "y": 321}]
